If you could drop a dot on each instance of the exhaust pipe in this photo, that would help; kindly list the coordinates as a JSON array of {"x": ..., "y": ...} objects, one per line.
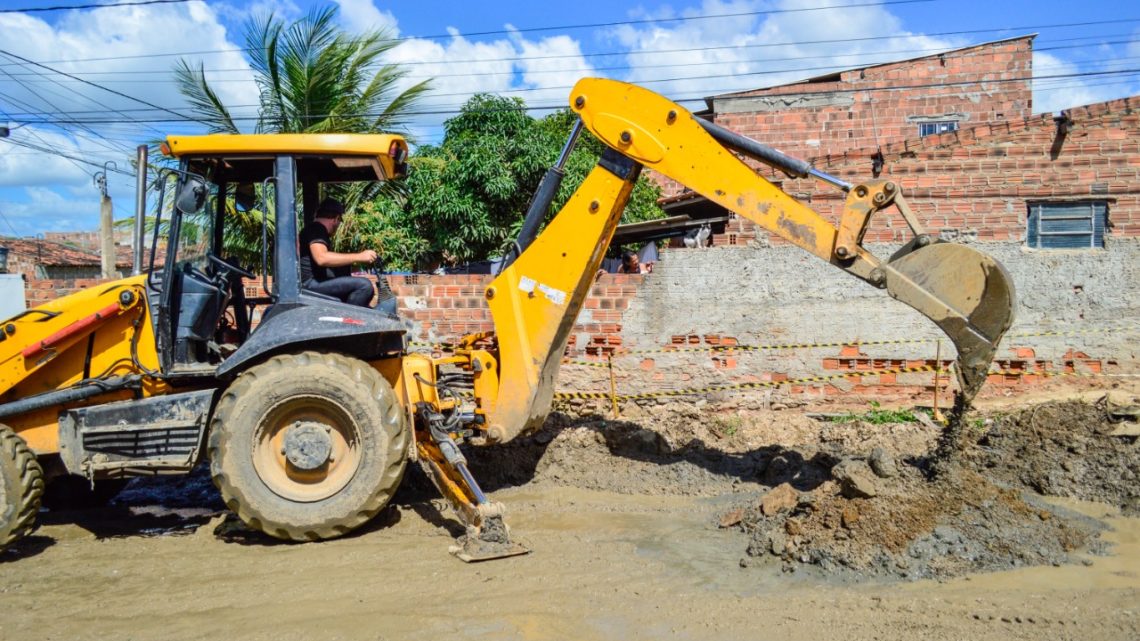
[{"x": 140, "y": 210}]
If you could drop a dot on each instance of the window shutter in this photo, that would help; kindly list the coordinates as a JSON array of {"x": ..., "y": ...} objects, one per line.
[{"x": 1067, "y": 225}]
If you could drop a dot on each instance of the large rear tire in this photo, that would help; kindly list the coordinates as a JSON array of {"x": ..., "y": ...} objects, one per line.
[
  {"x": 21, "y": 488},
  {"x": 308, "y": 446}
]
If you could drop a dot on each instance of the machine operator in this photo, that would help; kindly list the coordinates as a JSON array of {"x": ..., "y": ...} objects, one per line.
[{"x": 326, "y": 272}]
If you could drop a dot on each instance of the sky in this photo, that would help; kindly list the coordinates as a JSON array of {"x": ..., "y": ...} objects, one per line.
[{"x": 112, "y": 65}]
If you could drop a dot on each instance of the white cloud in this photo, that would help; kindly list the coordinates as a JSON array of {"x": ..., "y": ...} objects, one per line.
[
  {"x": 711, "y": 56},
  {"x": 358, "y": 15},
  {"x": 538, "y": 71},
  {"x": 42, "y": 209},
  {"x": 88, "y": 45},
  {"x": 21, "y": 166},
  {"x": 550, "y": 66},
  {"x": 1052, "y": 95}
]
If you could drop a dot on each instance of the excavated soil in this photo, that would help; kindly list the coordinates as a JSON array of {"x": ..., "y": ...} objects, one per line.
[{"x": 678, "y": 520}]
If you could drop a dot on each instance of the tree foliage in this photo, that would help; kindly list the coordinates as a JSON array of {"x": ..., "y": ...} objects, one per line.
[
  {"x": 465, "y": 199},
  {"x": 313, "y": 78}
]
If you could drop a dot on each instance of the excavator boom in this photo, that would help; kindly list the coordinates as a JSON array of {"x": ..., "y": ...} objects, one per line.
[{"x": 535, "y": 300}]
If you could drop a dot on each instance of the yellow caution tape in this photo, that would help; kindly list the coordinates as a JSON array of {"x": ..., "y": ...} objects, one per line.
[
  {"x": 777, "y": 346},
  {"x": 810, "y": 379},
  {"x": 786, "y": 346},
  {"x": 586, "y": 363},
  {"x": 743, "y": 386}
]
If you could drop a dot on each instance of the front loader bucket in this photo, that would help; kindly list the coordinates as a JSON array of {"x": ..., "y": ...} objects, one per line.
[{"x": 965, "y": 292}]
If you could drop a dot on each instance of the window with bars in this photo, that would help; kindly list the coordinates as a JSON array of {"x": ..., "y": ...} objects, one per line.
[
  {"x": 1067, "y": 225},
  {"x": 941, "y": 127}
]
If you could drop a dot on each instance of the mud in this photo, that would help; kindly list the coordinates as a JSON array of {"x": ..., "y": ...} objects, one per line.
[
  {"x": 971, "y": 505},
  {"x": 660, "y": 524},
  {"x": 1062, "y": 449}
]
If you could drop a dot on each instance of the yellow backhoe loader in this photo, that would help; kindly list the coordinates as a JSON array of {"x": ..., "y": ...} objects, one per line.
[{"x": 309, "y": 417}]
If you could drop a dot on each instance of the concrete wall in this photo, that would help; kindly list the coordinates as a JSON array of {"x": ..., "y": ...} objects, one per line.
[
  {"x": 781, "y": 295},
  {"x": 11, "y": 295}
]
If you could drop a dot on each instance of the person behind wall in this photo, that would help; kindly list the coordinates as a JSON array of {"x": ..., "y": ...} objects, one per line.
[
  {"x": 324, "y": 271},
  {"x": 631, "y": 264}
]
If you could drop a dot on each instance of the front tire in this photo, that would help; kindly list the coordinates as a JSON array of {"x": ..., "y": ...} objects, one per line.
[
  {"x": 308, "y": 446},
  {"x": 21, "y": 488}
]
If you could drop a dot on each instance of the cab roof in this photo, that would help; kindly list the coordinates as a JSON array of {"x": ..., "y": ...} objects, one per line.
[
  {"x": 356, "y": 144},
  {"x": 329, "y": 157}
]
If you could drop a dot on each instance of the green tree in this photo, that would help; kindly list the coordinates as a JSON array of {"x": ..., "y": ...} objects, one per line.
[{"x": 466, "y": 198}]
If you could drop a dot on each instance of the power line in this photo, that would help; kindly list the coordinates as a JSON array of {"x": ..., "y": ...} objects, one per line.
[
  {"x": 56, "y": 152},
  {"x": 699, "y": 77},
  {"x": 620, "y": 23},
  {"x": 796, "y": 70},
  {"x": 37, "y": 95},
  {"x": 1096, "y": 42},
  {"x": 97, "y": 86},
  {"x": 9, "y": 223},
  {"x": 1062, "y": 25},
  {"x": 92, "y": 6},
  {"x": 453, "y": 111},
  {"x": 33, "y": 132}
]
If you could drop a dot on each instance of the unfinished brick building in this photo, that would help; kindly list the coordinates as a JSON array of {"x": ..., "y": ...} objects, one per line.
[{"x": 866, "y": 107}]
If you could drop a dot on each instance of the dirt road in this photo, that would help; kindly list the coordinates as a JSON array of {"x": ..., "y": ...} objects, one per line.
[{"x": 647, "y": 562}]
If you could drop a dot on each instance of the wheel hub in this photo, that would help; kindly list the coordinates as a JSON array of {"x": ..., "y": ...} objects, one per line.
[{"x": 307, "y": 445}]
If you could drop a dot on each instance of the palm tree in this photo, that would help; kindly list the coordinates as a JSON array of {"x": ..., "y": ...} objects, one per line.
[{"x": 313, "y": 78}]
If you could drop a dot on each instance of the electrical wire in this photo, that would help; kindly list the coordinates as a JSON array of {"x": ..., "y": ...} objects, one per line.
[
  {"x": 1098, "y": 42},
  {"x": 1022, "y": 28},
  {"x": 126, "y": 3},
  {"x": 98, "y": 86},
  {"x": 720, "y": 98},
  {"x": 109, "y": 145}
]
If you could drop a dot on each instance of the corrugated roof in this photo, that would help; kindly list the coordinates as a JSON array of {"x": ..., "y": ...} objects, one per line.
[{"x": 54, "y": 254}]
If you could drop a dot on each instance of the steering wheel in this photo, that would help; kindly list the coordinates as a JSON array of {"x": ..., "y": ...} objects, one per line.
[{"x": 226, "y": 267}]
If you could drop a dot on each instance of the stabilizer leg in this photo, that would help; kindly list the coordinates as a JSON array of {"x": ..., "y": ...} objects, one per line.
[{"x": 487, "y": 536}]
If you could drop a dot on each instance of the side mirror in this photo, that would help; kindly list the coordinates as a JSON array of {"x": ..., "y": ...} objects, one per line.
[{"x": 192, "y": 196}]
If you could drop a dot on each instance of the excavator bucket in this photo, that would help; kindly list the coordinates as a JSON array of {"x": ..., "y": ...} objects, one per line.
[{"x": 968, "y": 294}]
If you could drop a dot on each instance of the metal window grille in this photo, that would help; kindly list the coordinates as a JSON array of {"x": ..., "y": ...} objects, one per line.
[
  {"x": 931, "y": 128},
  {"x": 1067, "y": 225}
]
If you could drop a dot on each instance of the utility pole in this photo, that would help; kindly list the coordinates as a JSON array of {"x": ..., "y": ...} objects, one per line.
[{"x": 106, "y": 225}]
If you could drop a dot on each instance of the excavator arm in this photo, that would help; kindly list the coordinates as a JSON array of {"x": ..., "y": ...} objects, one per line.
[{"x": 535, "y": 300}]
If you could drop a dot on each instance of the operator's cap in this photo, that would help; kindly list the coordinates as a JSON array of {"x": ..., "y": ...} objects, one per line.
[{"x": 330, "y": 208}]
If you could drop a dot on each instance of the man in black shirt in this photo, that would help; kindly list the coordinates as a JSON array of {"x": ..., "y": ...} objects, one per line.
[{"x": 325, "y": 271}]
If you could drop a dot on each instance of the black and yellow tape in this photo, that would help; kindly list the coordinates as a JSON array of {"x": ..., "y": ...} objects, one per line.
[
  {"x": 789, "y": 346},
  {"x": 742, "y": 386}
]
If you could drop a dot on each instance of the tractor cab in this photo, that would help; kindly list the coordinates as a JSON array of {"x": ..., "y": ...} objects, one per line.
[{"x": 228, "y": 291}]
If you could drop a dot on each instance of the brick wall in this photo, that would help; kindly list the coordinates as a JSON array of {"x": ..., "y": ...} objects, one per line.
[
  {"x": 976, "y": 183},
  {"x": 878, "y": 105},
  {"x": 39, "y": 291}
]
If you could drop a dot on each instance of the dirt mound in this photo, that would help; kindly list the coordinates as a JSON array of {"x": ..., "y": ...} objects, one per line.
[
  {"x": 980, "y": 512},
  {"x": 914, "y": 528},
  {"x": 1062, "y": 449}
]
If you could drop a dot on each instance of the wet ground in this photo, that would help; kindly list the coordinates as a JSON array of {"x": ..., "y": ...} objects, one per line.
[{"x": 655, "y": 526}]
